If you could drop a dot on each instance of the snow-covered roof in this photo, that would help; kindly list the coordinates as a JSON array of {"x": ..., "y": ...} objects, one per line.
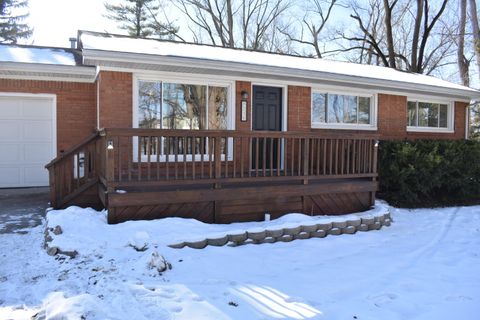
[
  {"x": 43, "y": 63},
  {"x": 100, "y": 43},
  {"x": 42, "y": 55}
]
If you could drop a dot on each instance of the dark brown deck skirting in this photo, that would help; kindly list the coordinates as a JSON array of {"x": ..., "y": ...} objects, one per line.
[{"x": 164, "y": 197}]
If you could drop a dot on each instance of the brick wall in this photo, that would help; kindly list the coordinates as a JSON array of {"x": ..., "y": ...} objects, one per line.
[
  {"x": 115, "y": 96},
  {"x": 76, "y": 106},
  {"x": 392, "y": 117},
  {"x": 299, "y": 108}
]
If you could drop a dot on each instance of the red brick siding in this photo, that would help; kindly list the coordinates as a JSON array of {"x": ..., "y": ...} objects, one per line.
[
  {"x": 392, "y": 116},
  {"x": 299, "y": 108},
  {"x": 391, "y": 119},
  {"x": 76, "y": 106},
  {"x": 115, "y": 95}
]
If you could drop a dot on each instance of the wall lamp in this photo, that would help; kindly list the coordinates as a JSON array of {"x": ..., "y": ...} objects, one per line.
[{"x": 110, "y": 145}]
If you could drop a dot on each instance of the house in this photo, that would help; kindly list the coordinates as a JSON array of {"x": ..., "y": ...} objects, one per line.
[{"x": 150, "y": 128}]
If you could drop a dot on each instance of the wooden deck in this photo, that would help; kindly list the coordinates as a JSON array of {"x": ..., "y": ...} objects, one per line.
[{"x": 216, "y": 176}]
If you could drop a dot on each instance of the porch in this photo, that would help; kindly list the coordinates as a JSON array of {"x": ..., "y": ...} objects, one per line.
[{"x": 216, "y": 176}]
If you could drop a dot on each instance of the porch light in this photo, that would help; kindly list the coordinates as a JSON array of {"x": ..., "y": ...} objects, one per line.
[
  {"x": 110, "y": 145},
  {"x": 243, "y": 106}
]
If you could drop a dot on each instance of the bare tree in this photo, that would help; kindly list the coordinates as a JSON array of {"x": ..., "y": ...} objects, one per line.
[
  {"x": 405, "y": 40},
  {"x": 313, "y": 24},
  {"x": 248, "y": 24}
]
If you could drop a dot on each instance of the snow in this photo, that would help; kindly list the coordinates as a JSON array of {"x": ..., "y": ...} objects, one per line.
[
  {"x": 185, "y": 50},
  {"x": 424, "y": 266},
  {"x": 56, "y": 56}
]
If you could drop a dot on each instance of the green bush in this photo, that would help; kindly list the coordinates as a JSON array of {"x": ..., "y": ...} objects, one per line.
[{"x": 429, "y": 173}]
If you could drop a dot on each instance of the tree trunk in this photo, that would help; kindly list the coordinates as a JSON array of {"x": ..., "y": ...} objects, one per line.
[
  {"x": 476, "y": 31},
  {"x": 416, "y": 36},
  {"x": 389, "y": 34},
  {"x": 463, "y": 63},
  {"x": 231, "y": 42}
]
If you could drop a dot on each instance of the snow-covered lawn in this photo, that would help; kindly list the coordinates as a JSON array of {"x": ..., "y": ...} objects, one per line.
[{"x": 426, "y": 265}]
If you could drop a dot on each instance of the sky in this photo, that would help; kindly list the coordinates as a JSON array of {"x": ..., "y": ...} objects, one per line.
[{"x": 54, "y": 21}]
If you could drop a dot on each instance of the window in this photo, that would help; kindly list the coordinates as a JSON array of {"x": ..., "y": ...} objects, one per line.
[
  {"x": 165, "y": 105},
  {"x": 428, "y": 116},
  {"x": 342, "y": 111},
  {"x": 180, "y": 105}
]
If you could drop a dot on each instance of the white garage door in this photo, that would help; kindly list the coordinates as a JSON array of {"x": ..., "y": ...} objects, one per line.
[{"x": 27, "y": 139}]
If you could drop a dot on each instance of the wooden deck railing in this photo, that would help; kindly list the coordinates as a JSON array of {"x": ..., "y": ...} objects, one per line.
[
  {"x": 157, "y": 157},
  {"x": 74, "y": 170},
  {"x": 145, "y": 158}
]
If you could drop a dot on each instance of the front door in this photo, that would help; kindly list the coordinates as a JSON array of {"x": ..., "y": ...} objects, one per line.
[{"x": 266, "y": 116}]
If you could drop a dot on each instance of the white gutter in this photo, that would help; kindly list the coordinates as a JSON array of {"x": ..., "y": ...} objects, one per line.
[{"x": 91, "y": 56}]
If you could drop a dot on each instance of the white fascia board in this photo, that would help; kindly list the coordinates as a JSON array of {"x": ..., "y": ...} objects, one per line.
[
  {"x": 91, "y": 56},
  {"x": 47, "y": 72}
]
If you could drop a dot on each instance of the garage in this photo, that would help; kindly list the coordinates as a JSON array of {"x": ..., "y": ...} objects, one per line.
[{"x": 27, "y": 139}]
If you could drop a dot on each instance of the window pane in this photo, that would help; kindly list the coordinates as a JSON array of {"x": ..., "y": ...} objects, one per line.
[
  {"x": 217, "y": 108},
  {"x": 424, "y": 113},
  {"x": 350, "y": 109},
  {"x": 184, "y": 106},
  {"x": 318, "y": 112},
  {"x": 412, "y": 113},
  {"x": 443, "y": 116},
  {"x": 433, "y": 115},
  {"x": 364, "y": 110},
  {"x": 149, "y": 99},
  {"x": 335, "y": 108}
]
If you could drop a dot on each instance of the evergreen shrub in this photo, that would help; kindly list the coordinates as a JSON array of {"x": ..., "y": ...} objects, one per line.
[{"x": 429, "y": 173}]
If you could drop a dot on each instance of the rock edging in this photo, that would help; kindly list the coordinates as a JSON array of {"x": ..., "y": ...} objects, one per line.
[{"x": 295, "y": 232}]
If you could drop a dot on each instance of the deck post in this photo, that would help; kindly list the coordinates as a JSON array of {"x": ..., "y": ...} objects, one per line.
[
  {"x": 374, "y": 169},
  {"x": 109, "y": 164},
  {"x": 53, "y": 190}
]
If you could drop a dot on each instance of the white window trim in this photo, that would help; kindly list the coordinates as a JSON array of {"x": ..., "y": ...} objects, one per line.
[
  {"x": 184, "y": 79},
  {"x": 347, "y": 126},
  {"x": 450, "y": 115}
]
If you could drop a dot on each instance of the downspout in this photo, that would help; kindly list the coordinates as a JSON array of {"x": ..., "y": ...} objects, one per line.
[
  {"x": 467, "y": 120},
  {"x": 98, "y": 97}
]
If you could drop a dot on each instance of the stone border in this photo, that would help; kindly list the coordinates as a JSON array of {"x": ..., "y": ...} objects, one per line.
[
  {"x": 53, "y": 251},
  {"x": 286, "y": 234}
]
